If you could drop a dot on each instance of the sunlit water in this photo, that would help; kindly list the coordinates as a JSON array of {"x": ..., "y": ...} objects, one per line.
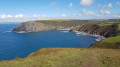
[{"x": 19, "y": 45}]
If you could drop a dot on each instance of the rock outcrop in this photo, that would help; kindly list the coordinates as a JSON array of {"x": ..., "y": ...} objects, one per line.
[
  {"x": 106, "y": 31},
  {"x": 32, "y": 27}
]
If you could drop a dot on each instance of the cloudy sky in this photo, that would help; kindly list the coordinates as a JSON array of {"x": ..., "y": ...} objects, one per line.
[{"x": 25, "y": 10}]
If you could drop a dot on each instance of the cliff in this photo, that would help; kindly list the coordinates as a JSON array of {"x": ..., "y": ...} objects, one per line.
[
  {"x": 95, "y": 29},
  {"x": 43, "y": 25}
]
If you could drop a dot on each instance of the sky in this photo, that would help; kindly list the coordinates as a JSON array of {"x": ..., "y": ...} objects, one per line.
[{"x": 27, "y": 10}]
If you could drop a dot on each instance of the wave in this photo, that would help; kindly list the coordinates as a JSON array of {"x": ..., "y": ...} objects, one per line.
[
  {"x": 99, "y": 39},
  {"x": 64, "y": 30},
  {"x": 80, "y": 33},
  {"x": 21, "y": 32},
  {"x": 6, "y": 32}
]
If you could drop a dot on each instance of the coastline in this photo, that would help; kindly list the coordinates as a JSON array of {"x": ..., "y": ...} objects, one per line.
[
  {"x": 84, "y": 33},
  {"x": 99, "y": 38}
]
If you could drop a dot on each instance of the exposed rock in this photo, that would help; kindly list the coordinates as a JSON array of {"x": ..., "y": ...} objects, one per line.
[
  {"x": 106, "y": 31},
  {"x": 33, "y": 27}
]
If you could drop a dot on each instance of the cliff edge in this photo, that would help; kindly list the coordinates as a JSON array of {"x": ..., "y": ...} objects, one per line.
[{"x": 43, "y": 25}]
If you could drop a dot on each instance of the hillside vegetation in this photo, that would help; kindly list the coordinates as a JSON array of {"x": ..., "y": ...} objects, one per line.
[
  {"x": 68, "y": 57},
  {"x": 58, "y": 20},
  {"x": 109, "y": 43},
  {"x": 112, "y": 39}
]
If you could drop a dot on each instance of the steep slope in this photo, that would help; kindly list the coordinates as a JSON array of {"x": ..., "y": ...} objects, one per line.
[{"x": 95, "y": 29}]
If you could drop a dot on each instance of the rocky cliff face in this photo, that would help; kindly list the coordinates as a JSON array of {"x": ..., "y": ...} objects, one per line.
[
  {"x": 34, "y": 27},
  {"x": 106, "y": 31}
]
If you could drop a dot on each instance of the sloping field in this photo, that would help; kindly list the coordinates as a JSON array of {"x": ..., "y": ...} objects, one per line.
[{"x": 68, "y": 57}]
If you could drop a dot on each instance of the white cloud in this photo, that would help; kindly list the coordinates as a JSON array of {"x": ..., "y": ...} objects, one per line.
[
  {"x": 117, "y": 16},
  {"x": 36, "y": 15},
  {"x": 86, "y": 2},
  {"x": 63, "y": 15},
  {"x": 74, "y": 15},
  {"x": 19, "y": 16},
  {"x": 83, "y": 15},
  {"x": 53, "y": 3},
  {"x": 70, "y": 5},
  {"x": 108, "y": 6},
  {"x": 104, "y": 12},
  {"x": 118, "y": 3},
  {"x": 3, "y": 16},
  {"x": 87, "y": 12}
]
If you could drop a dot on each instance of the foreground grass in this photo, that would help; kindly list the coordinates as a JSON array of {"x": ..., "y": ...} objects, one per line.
[{"x": 68, "y": 57}]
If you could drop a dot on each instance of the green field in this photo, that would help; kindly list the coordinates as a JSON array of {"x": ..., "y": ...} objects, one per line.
[
  {"x": 112, "y": 39},
  {"x": 114, "y": 22},
  {"x": 109, "y": 23},
  {"x": 68, "y": 57},
  {"x": 108, "y": 43}
]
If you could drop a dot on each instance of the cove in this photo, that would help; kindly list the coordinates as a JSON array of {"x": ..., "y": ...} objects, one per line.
[{"x": 19, "y": 45}]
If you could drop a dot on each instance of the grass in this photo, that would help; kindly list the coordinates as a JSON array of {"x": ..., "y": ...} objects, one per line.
[
  {"x": 112, "y": 39},
  {"x": 100, "y": 19},
  {"x": 68, "y": 57},
  {"x": 108, "y": 43},
  {"x": 105, "y": 24},
  {"x": 114, "y": 22},
  {"x": 119, "y": 26},
  {"x": 109, "y": 23},
  {"x": 59, "y": 20}
]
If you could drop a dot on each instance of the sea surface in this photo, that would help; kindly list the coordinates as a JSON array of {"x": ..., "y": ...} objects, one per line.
[{"x": 19, "y": 45}]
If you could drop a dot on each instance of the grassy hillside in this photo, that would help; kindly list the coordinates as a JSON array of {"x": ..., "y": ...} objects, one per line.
[
  {"x": 68, "y": 57},
  {"x": 111, "y": 42},
  {"x": 109, "y": 23},
  {"x": 58, "y": 20}
]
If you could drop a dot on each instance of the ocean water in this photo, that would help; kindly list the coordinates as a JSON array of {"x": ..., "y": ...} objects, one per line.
[{"x": 19, "y": 45}]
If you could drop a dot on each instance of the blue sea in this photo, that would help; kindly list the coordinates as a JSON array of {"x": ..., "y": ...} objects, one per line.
[{"x": 19, "y": 45}]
